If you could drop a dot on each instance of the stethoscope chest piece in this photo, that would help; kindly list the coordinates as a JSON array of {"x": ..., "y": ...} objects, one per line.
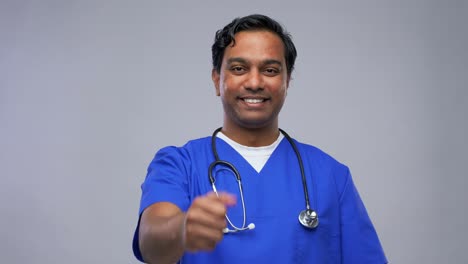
[{"x": 308, "y": 218}]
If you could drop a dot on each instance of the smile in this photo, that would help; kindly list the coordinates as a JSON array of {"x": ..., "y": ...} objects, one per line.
[{"x": 253, "y": 100}]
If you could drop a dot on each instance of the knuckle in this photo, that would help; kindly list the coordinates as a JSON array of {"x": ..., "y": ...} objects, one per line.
[
  {"x": 219, "y": 235},
  {"x": 211, "y": 245},
  {"x": 189, "y": 216},
  {"x": 223, "y": 210},
  {"x": 197, "y": 201}
]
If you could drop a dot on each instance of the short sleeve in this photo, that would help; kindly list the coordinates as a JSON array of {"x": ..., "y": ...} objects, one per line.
[
  {"x": 166, "y": 181},
  {"x": 360, "y": 243}
]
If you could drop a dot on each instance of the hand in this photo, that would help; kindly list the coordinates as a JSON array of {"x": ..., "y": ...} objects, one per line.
[{"x": 205, "y": 220}]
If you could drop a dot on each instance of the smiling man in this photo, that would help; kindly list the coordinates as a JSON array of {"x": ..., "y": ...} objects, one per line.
[
  {"x": 252, "y": 82},
  {"x": 250, "y": 193}
]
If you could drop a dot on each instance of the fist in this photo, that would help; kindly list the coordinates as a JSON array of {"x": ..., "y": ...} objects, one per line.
[{"x": 205, "y": 220}]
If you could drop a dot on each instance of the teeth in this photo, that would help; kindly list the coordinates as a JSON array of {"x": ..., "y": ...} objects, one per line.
[{"x": 253, "y": 101}]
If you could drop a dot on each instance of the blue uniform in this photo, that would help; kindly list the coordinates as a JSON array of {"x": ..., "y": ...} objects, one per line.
[{"x": 274, "y": 198}]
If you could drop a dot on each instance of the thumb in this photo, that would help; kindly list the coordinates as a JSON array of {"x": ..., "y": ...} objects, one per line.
[{"x": 227, "y": 199}]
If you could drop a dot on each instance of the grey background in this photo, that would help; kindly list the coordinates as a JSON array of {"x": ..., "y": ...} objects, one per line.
[{"x": 89, "y": 90}]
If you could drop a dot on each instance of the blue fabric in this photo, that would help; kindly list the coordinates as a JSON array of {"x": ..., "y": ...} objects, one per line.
[{"x": 273, "y": 199}]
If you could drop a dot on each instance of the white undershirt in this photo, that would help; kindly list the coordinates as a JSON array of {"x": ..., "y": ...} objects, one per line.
[{"x": 256, "y": 156}]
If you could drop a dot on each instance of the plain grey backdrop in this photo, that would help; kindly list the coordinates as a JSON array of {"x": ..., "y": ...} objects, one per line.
[{"x": 90, "y": 90}]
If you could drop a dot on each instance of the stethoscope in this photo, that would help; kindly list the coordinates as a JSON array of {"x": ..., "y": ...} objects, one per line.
[{"x": 307, "y": 217}]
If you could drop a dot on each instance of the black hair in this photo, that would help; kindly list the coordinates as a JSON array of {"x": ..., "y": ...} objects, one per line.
[{"x": 225, "y": 37}]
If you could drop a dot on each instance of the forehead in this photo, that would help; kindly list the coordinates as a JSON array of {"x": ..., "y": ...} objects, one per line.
[{"x": 256, "y": 45}]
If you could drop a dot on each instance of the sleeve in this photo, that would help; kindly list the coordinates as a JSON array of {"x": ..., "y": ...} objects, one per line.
[
  {"x": 166, "y": 181},
  {"x": 359, "y": 241}
]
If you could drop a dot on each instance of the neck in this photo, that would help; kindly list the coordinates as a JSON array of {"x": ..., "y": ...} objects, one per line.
[{"x": 252, "y": 137}]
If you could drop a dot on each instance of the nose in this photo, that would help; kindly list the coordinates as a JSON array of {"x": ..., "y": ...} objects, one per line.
[{"x": 254, "y": 81}]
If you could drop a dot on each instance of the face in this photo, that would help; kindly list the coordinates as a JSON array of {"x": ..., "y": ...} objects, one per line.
[{"x": 253, "y": 80}]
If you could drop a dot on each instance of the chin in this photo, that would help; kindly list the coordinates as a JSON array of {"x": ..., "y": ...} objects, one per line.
[
  {"x": 252, "y": 120},
  {"x": 255, "y": 124}
]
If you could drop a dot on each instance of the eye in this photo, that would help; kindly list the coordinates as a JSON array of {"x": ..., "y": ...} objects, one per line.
[
  {"x": 271, "y": 71},
  {"x": 237, "y": 69}
]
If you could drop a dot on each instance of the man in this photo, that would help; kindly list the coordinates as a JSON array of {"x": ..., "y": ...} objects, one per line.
[{"x": 246, "y": 207}]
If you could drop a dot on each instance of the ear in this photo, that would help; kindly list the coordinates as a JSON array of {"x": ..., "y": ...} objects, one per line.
[
  {"x": 288, "y": 78},
  {"x": 215, "y": 77}
]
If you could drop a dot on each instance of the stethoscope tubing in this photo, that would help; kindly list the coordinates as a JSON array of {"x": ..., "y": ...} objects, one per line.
[
  {"x": 301, "y": 167},
  {"x": 308, "y": 217}
]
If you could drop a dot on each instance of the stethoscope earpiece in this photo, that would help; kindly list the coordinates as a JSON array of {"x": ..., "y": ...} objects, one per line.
[{"x": 226, "y": 230}]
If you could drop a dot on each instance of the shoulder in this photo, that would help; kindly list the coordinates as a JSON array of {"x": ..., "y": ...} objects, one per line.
[
  {"x": 175, "y": 163},
  {"x": 317, "y": 155},
  {"x": 324, "y": 164},
  {"x": 180, "y": 156},
  {"x": 186, "y": 149}
]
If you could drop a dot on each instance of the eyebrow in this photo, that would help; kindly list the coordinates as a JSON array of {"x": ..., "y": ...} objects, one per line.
[
  {"x": 237, "y": 59},
  {"x": 244, "y": 61}
]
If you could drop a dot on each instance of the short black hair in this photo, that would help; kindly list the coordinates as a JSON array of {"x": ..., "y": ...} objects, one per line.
[{"x": 224, "y": 37}]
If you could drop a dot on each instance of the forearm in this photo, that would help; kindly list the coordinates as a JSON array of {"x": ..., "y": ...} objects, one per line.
[{"x": 161, "y": 238}]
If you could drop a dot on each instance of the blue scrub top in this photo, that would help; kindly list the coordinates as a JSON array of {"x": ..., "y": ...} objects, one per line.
[{"x": 273, "y": 198}]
